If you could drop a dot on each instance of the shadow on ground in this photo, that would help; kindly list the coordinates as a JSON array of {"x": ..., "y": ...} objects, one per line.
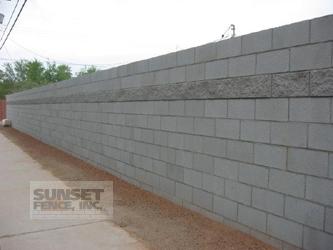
[{"x": 156, "y": 222}]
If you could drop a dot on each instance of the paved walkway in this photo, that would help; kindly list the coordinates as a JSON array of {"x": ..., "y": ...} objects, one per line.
[{"x": 19, "y": 232}]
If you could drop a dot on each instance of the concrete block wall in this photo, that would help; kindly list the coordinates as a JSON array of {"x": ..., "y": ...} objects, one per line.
[{"x": 239, "y": 130}]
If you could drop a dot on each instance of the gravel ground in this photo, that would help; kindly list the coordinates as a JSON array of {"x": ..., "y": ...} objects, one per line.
[{"x": 156, "y": 222}]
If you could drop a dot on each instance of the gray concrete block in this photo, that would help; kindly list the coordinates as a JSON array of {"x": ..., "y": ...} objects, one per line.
[
  {"x": 214, "y": 146},
  {"x": 226, "y": 168},
  {"x": 169, "y": 123},
  {"x": 287, "y": 183},
  {"x": 308, "y": 162},
  {"x": 257, "y": 131},
  {"x": 193, "y": 143},
  {"x": 177, "y": 75},
  {"x": 305, "y": 212},
  {"x": 161, "y": 77},
  {"x": 285, "y": 230},
  {"x": 289, "y": 134},
  {"x": 154, "y": 122},
  {"x": 229, "y": 47},
  {"x": 273, "y": 62},
  {"x": 185, "y": 57},
  {"x": 176, "y": 140},
  {"x": 270, "y": 156},
  {"x": 225, "y": 207},
  {"x": 163, "y": 61},
  {"x": 202, "y": 199},
  {"x": 291, "y": 35},
  {"x": 310, "y": 109},
  {"x": 168, "y": 186},
  {"x": 177, "y": 108},
  {"x": 185, "y": 124},
  {"x": 252, "y": 218},
  {"x": 238, "y": 192},
  {"x": 242, "y": 151},
  {"x": 216, "y": 108},
  {"x": 168, "y": 155},
  {"x": 203, "y": 126},
  {"x": 194, "y": 108},
  {"x": 205, "y": 52},
  {"x": 258, "y": 41},
  {"x": 175, "y": 173},
  {"x": 268, "y": 201},
  {"x": 147, "y": 79},
  {"x": 184, "y": 192},
  {"x": 329, "y": 220},
  {"x": 216, "y": 69},
  {"x": 310, "y": 56},
  {"x": 272, "y": 109},
  {"x": 203, "y": 163},
  {"x": 195, "y": 72},
  {"x": 241, "y": 109},
  {"x": 193, "y": 178},
  {"x": 184, "y": 158},
  {"x": 227, "y": 128},
  {"x": 321, "y": 29},
  {"x": 253, "y": 175},
  {"x": 317, "y": 190},
  {"x": 242, "y": 66},
  {"x": 320, "y": 82},
  {"x": 321, "y": 136},
  {"x": 213, "y": 184},
  {"x": 161, "y": 108},
  {"x": 316, "y": 240}
]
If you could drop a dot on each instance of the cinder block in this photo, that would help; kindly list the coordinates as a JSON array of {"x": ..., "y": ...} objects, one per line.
[
  {"x": 316, "y": 240},
  {"x": 204, "y": 126},
  {"x": 177, "y": 108},
  {"x": 203, "y": 163},
  {"x": 242, "y": 65},
  {"x": 205, "y": 52},
  {"x": 226, "y": 168},
  {"x": 195, "y": 72},
  {"x": 163, "y": 62},
  {"x": 185, "y": 124},
  {"x": 238, "y": 192},
  {"x": 225, "y": 207},
  {"x": 194, "y": 108},
  {"x": 227, "y": 128},
  {"x": 216, "y": 108},
  {"x": 308, "y": 162},
  {"x": 252, "y": 218},
  {"x": 253, "y": 175},
  {"x": 310, "y": 57},
  {"x": 175, "y": 173},
  {"x": 185, "y": 57},
  {"x": 168, "y": 155},
  {"x": 258, "y": 41},
  {"x": 169, "y": 123},
  {"x": 242, "y": 151},
  {"x": 320, "y": 83},
  {"x": 161, "y": 138},
  {"x": 255, "y": 131},
  {"x": 214, "y": 146},
  {"x": 291, "y": 35},
  {"x": 184, "y": 158},
  {"x": 270, "y": 156},
  {"x": 193, "y": 178},
  {"x": 269, "y": 201},
  {"x": 154, "y": 122},
  {"x": 184, "y": 192},
  {"x": 330, "y": 166},
  {"x": 202, "y": 199},
  {"x": 285, "y": 230},
  {"x": 329, "y": 220},
  {"x": 177, "y": 75},
  {"x": 176, "y": 140},
  {"x": 273, "y": 62},
  {"x": 216, "y": 69},
  {"x": 321, "y": 136},
  {"x": 310, "y": 109},
  {"x": 229, "y": 48},
  {"x": 287, "y": 183},
  {"x": 193, "y": 143},
  {"x": 317, "y": 190},
  {"x": 272, "y": 109},
  {"x": 305, "y": 212},
  {"x": 241, "y": 109},
  {"x": 161, "y": 77},
  {"x": 168, "y": 186},
  {"x": 321, "y": 29},
  {"x": 161, "y": 108},
  {"x": 213, "y": 184},
  {"x": 289, "y": 134}
]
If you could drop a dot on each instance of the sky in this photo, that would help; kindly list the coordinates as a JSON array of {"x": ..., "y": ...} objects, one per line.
[{"x": 108, "y": 33}]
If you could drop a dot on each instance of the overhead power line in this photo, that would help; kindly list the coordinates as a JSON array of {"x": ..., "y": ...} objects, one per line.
[
  {"x": 10, "y": 18},
  {"x": 18, "y": 15}
]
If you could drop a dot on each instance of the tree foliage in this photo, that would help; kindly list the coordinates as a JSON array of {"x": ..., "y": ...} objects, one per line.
[{"x": 87, "y": 70}]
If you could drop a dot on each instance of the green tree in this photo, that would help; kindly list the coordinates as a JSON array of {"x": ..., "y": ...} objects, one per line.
[{"x": 87, "y": 70}]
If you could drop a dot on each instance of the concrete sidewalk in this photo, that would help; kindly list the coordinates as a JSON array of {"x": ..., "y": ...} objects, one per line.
[{"x": 18, "y": 231}]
